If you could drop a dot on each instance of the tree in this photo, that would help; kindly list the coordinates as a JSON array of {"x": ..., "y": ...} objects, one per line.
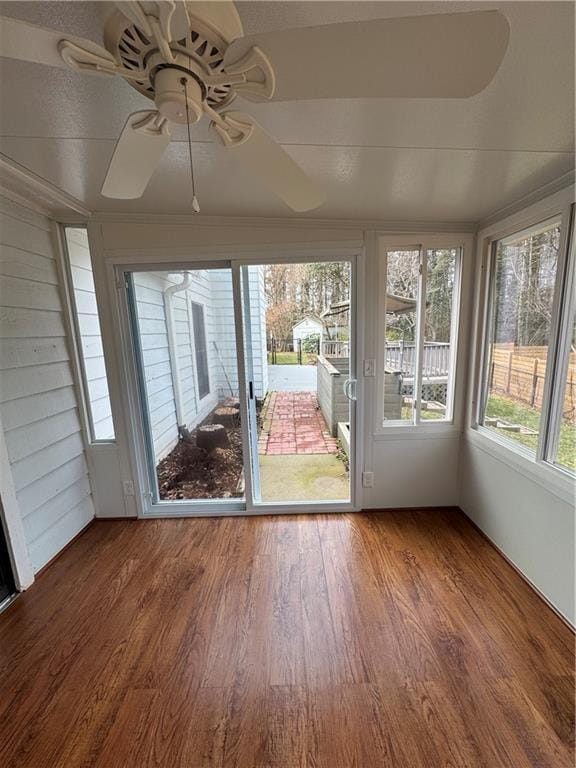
[{"x": 296, "y": 290}]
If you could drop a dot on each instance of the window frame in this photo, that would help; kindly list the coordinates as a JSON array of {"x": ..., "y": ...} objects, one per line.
[
  {"x": 79, "y": 363},
  {"x": 202, "y": 305},
  {"x": 423, "y": 242},
  {"x": 525, "y": 224},
  {"x": 567, "y": 308}
]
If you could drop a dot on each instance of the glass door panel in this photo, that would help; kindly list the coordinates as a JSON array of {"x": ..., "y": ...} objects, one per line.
[
  {"x": 298, "y": 345},
  {"x": 183, "y": 329}
]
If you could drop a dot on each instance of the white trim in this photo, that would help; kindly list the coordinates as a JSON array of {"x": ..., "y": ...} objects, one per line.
[
  {"x": 506, "y": 231},
  {"x": 554, "y": 478},
  {"x": 290, "y": 222},
  {"x": 120, "y": 262},
  {"x": 74, "y": 336},
  {"x": 22, "y": 569},
  {"x": 44, "y": 194},
  {"x": 527, "y": 201},
  {"x": 434, "y": 430},
  {"x": 559, "y": 373},
  {"x": 420, "y": 332},
  {"x": 456, "y": 389},
  {"x": 202, "y": 305}
]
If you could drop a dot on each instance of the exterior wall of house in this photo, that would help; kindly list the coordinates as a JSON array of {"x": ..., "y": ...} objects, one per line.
[
  {"x": 213, "y": 290},
  {"x": 224, "y": 335},
  {"x": 38, "y": 397},
  {"x": 149, "y": 290}
]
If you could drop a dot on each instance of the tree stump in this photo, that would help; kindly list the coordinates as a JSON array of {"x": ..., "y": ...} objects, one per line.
[
  {"x": 212, "y": 436},
  {"x": 228, "y": 416}
]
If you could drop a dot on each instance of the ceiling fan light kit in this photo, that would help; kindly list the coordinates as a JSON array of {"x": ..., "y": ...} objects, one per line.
[{"x": 192, "y": 60}]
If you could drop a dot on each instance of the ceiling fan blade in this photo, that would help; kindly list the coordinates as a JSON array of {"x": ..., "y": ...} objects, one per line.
[
  {"x": 28, "y": 42},
  {"x": 136, "y": 155},
  {"x": 262, "y": 156},
  {"x": 453, "y": 55}
]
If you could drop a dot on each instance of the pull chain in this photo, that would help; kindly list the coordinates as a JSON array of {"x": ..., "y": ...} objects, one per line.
[{"x": 195, "y": 204}]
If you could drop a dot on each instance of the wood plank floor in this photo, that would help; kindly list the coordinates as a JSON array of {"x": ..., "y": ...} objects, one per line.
[{"x": 396, "y": 639}]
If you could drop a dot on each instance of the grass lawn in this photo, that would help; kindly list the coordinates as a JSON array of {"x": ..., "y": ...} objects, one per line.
[
  {"x": 516, "y": 413},
  {"x": 290, "y": 358}
]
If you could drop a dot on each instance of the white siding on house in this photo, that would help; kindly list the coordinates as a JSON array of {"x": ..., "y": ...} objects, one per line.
[
  {"x": 149, "y": 290},
  {"x": 37, "y": 395},
  {"x": 223, "y": 328},
  {"x": 213, "y": 290},
  {"x": 90, "y": 336}
]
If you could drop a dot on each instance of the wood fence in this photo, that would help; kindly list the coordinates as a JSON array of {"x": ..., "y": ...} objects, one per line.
[{"x": 519, "y": 372}]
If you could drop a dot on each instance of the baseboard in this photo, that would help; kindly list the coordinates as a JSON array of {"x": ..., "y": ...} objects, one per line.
[
  {"x": 520, "y": 573},
  {"x": 437, "y": 508}
]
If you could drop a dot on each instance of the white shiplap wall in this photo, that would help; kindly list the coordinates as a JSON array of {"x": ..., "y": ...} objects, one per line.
[
  {"x": 37, "y": 393},
  {"x": 90, "y": 336}
]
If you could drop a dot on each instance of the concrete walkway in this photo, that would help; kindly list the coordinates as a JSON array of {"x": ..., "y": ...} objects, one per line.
[
  {"x": 292, "y": 378},
  {"x": 303, "y": 478}
]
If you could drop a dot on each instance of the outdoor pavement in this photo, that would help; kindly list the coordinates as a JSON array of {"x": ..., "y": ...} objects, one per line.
[
  {"x": 292, "y": 378},
  {"x": 322, "y": 477},
  {"x": 292, "y": 423}
]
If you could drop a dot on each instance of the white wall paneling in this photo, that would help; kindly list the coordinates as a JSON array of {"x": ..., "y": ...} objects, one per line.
[{"x": 42, "y": 428}]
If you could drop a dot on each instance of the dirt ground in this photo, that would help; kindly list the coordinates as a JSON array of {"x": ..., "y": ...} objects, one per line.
[{"x": 189, "y": 472}]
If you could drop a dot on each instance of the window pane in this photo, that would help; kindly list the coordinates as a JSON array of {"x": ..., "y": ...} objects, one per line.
[
  {"x": 185, "y": 340},
  {"x": 566, "y": 445},
  {"x": 88, "y": 325},
  {"x": 524, "y": 278},
  {"x": 402, "y": 275},
  {"x": 200, "y": 350},
  {"x": 437, "y": 375}
]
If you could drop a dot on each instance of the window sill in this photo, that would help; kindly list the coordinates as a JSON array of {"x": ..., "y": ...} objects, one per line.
[
  {"x": 416, "y": 432},
  {"x": 547, "y": 475}
]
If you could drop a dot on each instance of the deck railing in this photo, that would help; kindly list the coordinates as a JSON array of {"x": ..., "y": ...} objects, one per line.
[
  {"x": 335, "y": 348},
  {"x": 401, "y": 356}
]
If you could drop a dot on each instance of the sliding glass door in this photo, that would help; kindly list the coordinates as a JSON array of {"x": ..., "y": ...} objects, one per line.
[
  {"x": 244, "y": 376},
  {"x": 300, "y": 375}
]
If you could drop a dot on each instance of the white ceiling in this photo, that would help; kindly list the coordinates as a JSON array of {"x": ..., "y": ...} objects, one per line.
[{"x": 389, "y": 159}]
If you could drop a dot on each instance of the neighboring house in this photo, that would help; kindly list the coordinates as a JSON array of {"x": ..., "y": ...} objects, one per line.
[
  {"x": 308, "y": 326},
  {"x": 205, "y": 355}
]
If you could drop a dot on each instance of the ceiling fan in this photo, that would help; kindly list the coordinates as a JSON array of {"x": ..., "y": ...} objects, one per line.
[{"x": 192, "y": 59}]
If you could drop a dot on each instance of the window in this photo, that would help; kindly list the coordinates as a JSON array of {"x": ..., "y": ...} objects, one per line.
[
  {"x": 87, "y": 325},
  {"x": 200, "y": 350},
  {"x": 421, "y": 289},
  {"x": 523, "y": 279},
  {"x": 529, "y": 373}
]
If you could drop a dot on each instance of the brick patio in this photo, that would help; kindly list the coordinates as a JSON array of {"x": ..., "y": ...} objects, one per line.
[{"x": 292, "y": 423}]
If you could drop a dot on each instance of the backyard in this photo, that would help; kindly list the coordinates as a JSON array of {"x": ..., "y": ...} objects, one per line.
[
  {"x": 291, "y": 358},
  {"x": 513, "y": 412}
]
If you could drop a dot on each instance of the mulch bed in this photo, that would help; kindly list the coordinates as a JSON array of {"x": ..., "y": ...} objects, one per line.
[{"x": 189, "y": 472}]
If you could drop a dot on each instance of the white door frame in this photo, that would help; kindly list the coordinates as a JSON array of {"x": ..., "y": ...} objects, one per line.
[
  {"x": 356, "y": 259},
  {"x": 120, "y": 262}
]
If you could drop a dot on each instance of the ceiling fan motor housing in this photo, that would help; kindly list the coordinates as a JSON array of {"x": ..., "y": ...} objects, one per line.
[{"x": 175, "y": 89}]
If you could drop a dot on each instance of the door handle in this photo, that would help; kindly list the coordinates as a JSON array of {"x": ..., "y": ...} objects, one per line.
[{"x": 349, "y": 385}]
